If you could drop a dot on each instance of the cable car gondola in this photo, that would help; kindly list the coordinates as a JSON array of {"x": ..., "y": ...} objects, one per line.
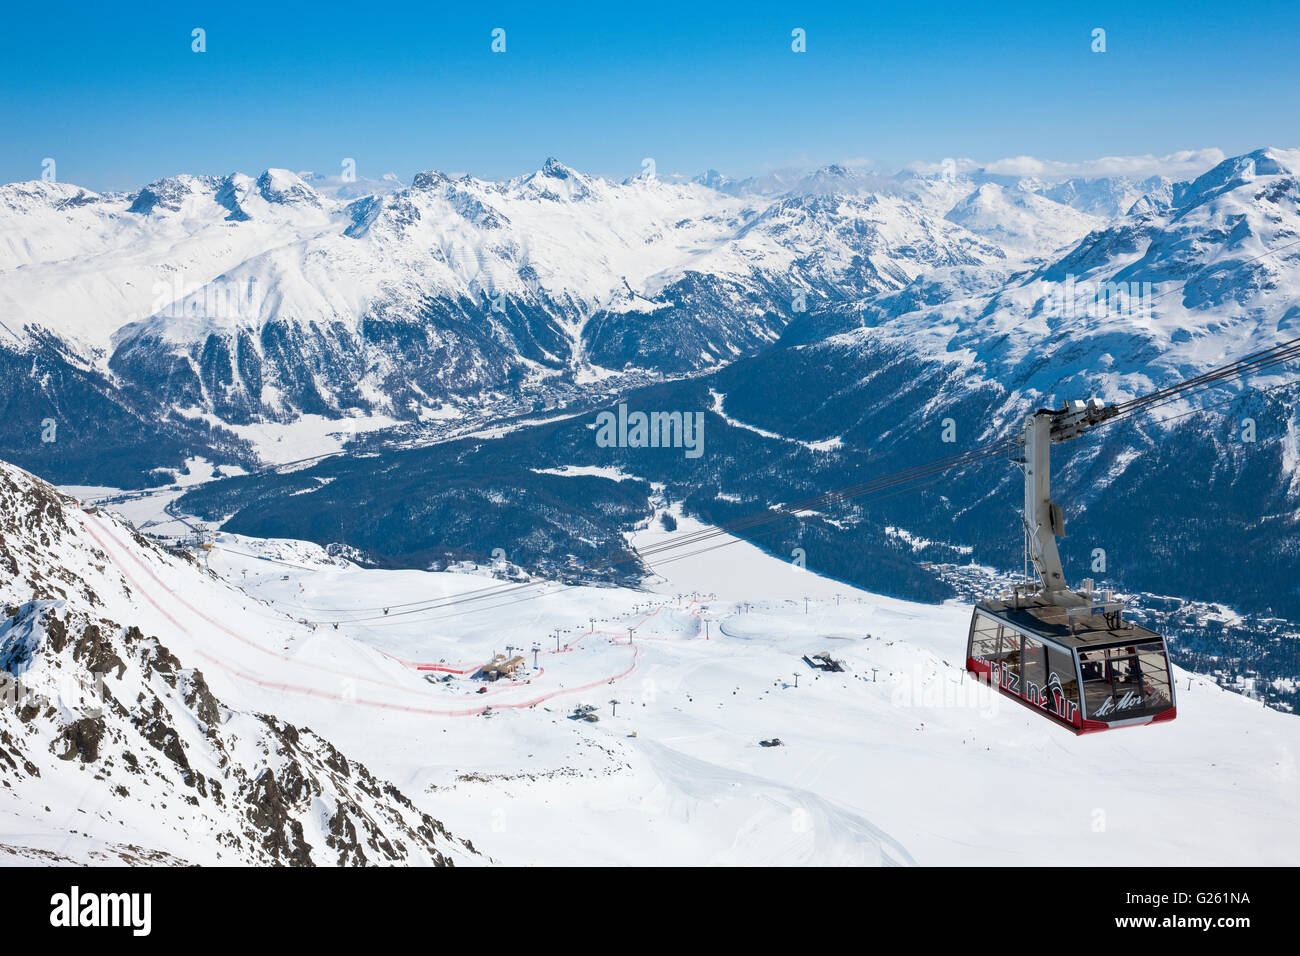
[{"x": 1069, "y": 655}]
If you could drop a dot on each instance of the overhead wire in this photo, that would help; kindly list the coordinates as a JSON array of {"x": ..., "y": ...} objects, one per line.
[{"x": 1252, "y": 364}]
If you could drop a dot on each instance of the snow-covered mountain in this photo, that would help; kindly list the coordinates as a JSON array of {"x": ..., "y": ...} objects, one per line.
[
  {"x": 1104, "y": 197},
  {"x": 122, "y": 737},
  {"x": 878, "y": 309},
  {"x": 1021, "y": 221},
  {"x": 237, "y": 300},
  {"x": 901, "y": 314},
  {"x": 856, "y": 389},
  {"x": 1194, "y": 277}
]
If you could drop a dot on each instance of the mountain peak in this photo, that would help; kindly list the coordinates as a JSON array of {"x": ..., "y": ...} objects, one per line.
[
  {"x": 1236, "y": 171},
  {"x": 25, "y": 195},
  {"x": 835, "y": 178},
  {"x": 712, "y": 179},
  {"x": 556, "y": 181},
  {"x": 556, "y": 169},
  {"x": 284, "y": 187},
  {"x": 171, "y": 192},
  {"x": 430, "y": 179}
]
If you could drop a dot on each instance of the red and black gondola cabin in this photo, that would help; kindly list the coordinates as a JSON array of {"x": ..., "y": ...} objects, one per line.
[{"x": 1086, "y": 669}]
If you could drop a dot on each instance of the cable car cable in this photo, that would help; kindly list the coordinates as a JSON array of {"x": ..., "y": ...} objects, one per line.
[
  {"x": 1276, "y": 359},
  {"x": 904, "y": 477},
  {"x": 1253, "y": 363},
  {"x": 769, "y": 514},
  {"x": 546, "y": 583}
]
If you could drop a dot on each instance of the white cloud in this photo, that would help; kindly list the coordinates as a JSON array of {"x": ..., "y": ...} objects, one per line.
[
  {"x": 1185, "y": 164},
  {"x": 962, "y": 165},
  {"x": 1181, "y": 165},
  {"x": 1021, "y": 166},
  {"x": 337, "y": 186}
]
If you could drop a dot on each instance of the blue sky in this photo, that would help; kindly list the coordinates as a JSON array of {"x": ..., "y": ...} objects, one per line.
[{"x": 115, "y": 95}]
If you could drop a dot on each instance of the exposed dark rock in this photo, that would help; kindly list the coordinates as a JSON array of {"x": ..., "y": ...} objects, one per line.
[{"x": 82, "y": 738}]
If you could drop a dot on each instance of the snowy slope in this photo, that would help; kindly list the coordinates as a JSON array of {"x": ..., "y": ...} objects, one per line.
[
  {"x": 115, "y": 747},
  {"x": 1105, "y": 197},
  {"x": 1021, "y": 221},
  {"x": 896, "y": 761},
  {"x": 82, "y": 265}
]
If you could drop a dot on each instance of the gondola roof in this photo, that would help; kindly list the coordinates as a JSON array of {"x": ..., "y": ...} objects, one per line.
[{"x": 1035, "y": 616}]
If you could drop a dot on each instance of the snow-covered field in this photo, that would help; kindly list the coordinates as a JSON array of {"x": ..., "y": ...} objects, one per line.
[{"x": 899, "y": 760}]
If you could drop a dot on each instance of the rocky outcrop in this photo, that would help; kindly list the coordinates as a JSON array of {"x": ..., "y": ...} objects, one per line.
[{"x": 108, "y": 737}]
